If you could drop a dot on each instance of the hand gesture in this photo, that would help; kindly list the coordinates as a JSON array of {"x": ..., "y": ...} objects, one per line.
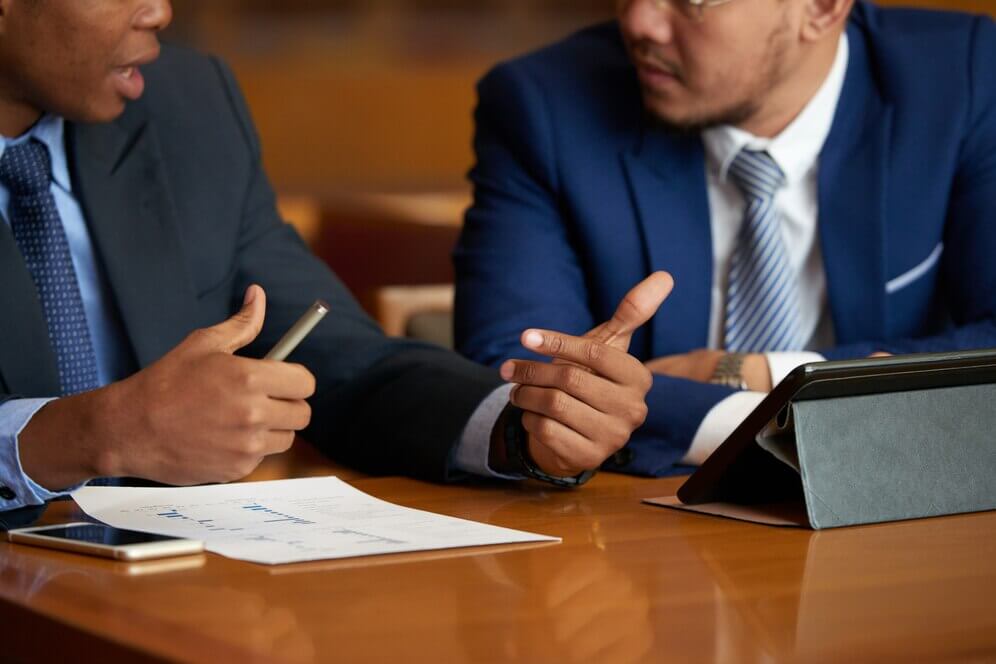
[
  {"x": 199, "y": 414},
  {"x": 581, "y": 408}
]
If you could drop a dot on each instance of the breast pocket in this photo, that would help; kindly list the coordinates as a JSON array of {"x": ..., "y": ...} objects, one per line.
[{"x": 911, "y": 298}]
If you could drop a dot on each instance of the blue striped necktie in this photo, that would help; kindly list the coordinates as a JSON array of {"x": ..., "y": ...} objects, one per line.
[
  {"x": 26, "y": 172},
  {"x": 762, "y": 296}
]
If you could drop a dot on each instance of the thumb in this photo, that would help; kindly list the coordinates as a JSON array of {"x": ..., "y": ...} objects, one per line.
[
  {"x": 639, "y": 306},
  {"x": 241, "y": 328}
]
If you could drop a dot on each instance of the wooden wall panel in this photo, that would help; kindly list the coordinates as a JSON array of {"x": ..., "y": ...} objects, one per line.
[{"x": 378, "y": 95}]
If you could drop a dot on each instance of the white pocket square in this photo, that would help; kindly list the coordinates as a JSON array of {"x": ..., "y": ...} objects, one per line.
[{"x": 907, "y": 278}]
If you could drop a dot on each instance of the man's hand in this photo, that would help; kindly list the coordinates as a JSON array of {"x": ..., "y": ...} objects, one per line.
[
  {"x": 200, "y": 414},
  {"x": 700, "y": 365},
  {"x": 582, "y": 407}
]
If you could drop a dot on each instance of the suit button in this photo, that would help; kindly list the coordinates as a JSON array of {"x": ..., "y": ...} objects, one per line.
[
  {"x": 623, "y": 457},
  {"x": 7, "y": 493}
]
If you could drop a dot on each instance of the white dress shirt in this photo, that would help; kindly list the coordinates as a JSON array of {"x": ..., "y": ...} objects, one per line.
[{"x": 796, "y": 150}]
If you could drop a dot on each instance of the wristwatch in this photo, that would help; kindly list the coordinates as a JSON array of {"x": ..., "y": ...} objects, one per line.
[
  {"x": 517, "y": 460},
  {"x": 729, "y": 371}
]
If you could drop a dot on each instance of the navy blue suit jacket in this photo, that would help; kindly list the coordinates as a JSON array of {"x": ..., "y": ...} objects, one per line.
[
  {"x": 579, "y": 195},
  {"x": 184, "y": 220}
]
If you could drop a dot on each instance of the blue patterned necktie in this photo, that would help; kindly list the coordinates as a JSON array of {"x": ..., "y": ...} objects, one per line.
[
  {"x": 762, "y": 296},
  {"x": 26, "y": 172}
]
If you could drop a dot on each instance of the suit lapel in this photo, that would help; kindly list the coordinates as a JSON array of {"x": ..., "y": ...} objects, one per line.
[
  {"x": 27, "y": 361},
  {"x": 666, "y": 174},
  {"x": 120, "y": 183},
  {"x": 853, "y": 193}
]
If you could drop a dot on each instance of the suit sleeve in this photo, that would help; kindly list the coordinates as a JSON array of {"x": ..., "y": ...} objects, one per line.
[
  {"x": 383, "y": 405},
  {"x": 968, "y": 271},
  {"x": 518, "y": 264}
]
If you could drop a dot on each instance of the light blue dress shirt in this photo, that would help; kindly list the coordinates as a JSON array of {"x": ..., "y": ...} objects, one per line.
[
  {"x": 110, "y": 345},
  {"x": 108, "y": 337}
]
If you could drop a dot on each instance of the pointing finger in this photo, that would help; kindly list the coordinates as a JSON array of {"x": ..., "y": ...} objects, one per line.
[
  {"x": 637, "y": 307},
  {"x": 612, "y": 363}
]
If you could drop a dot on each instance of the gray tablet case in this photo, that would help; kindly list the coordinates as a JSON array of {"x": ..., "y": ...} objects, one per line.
[{"x": 872, "y": 458}]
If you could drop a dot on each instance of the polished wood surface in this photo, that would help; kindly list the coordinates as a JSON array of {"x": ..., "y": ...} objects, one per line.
[{"x": 629, "y": 583}]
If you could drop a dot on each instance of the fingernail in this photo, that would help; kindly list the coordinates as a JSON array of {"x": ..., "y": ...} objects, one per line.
[
  {"x": 249, "y": 297},
  {"x": 507, "y": 370},
  {"x": 533, "y": 339}
]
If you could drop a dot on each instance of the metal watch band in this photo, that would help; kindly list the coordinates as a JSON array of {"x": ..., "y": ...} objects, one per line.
[{"x": 729, "y": 371}]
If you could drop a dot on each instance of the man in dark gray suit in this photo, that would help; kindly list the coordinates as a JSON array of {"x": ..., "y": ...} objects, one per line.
[{"x": 137, "y": 215}]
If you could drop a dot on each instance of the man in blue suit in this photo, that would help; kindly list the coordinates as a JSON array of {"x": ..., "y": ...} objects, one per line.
[{"x": 818, "y": 175}]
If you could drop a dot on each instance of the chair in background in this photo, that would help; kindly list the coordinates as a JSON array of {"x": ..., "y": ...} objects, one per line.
[
  {"x": 418, "y": 312},
  {"x": 392, "y": 251}
]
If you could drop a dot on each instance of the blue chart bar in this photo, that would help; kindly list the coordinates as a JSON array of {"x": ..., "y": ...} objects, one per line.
[
  {"x": 279, "y": 516},
  {"x": 206, "y": 523},
  {"x": 269, "y": 516}
]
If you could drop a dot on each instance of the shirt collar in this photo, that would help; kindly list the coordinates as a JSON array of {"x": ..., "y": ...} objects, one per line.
[
  {"x": 797, "y": 148},
  {"x": 49, "y": 130}
]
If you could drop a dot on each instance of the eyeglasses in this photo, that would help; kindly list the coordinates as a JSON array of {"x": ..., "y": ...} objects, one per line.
[{"x": 694, "y": 8}]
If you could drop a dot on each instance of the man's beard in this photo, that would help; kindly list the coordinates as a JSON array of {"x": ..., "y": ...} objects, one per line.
[
  {"x": 740, "y": 111},
  {"x": 734, "y": 115}
]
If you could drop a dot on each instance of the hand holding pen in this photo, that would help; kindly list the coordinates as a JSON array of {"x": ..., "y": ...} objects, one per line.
[{"x": 199, "y": 414}]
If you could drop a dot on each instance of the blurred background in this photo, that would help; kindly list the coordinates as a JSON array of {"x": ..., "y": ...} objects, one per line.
[{"x": 364, "y": 110}]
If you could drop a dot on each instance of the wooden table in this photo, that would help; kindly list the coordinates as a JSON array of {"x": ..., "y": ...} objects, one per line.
[{"x": 629, "y": 583}]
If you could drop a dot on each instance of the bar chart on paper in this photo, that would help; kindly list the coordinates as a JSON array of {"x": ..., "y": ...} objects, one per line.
[
  {"x": 211, "y": 525},
  {"x": 288, "y": 520}
]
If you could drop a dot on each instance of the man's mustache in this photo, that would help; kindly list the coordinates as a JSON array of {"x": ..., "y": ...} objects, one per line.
[{"x": 646, "y": 54}]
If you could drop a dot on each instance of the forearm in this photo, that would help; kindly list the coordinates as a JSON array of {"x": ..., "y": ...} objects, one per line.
[
  {"x": 403, "y": 415},
  {"x": 981, "y": 334}
]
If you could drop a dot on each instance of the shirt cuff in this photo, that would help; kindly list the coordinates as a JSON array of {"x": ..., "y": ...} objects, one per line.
[
  {"x": 472, "y": 450},
  {"x": 781, "y": 364},
  {"x": 719, "y": 423},
  {"x": 14, "y": 416}
]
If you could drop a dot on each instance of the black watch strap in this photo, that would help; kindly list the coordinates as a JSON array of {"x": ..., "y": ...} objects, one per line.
[{"x": 521, "y": 462}]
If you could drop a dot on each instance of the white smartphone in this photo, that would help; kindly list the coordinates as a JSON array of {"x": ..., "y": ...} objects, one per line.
[{"x": 97, "y": 539}]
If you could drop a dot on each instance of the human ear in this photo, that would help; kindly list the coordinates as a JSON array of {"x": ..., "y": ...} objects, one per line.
[{"x": 824, "y": 17}]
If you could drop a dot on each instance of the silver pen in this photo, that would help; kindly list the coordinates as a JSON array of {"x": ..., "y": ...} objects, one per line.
[{"x": 298, "y": 331}]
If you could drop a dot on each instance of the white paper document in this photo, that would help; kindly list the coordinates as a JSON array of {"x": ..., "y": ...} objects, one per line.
[{"x": 288, "y": 521}]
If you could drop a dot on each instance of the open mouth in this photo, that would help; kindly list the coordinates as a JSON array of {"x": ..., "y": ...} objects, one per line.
[
  {"x": 129, "y": 81},
  {"x": 655, "y": 76}
]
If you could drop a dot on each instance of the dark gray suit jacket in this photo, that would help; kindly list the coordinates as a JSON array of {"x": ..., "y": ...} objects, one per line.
[{"x": 183, "y": 219}]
